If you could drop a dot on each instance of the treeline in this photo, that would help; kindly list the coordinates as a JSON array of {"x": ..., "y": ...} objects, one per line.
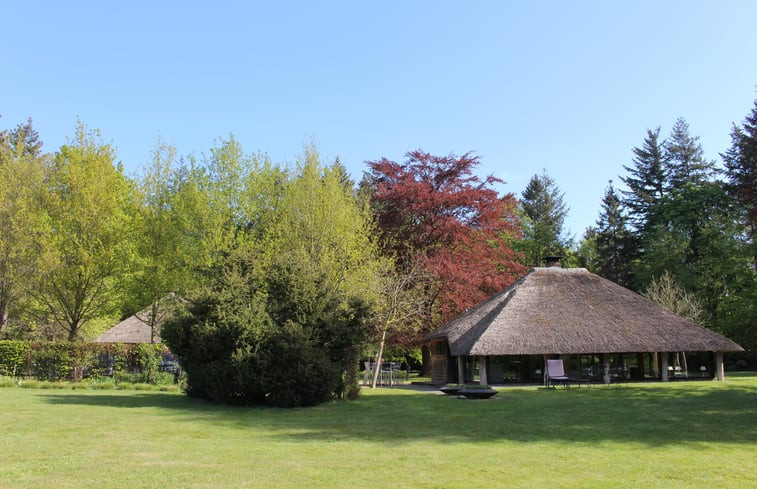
[
  {"x": 83, "y": 241},
  {"x": 303, "y": 261}
]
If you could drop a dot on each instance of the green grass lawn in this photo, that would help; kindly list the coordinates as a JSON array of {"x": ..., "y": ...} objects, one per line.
[{"x": 675, "y": 435}]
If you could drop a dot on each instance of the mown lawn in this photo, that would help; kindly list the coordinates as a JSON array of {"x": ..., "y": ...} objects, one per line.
[{"x": 687, "y": 434}]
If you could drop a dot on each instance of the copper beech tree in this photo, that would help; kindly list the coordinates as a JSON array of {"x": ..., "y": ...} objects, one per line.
[{"x": 442, "y": 220}]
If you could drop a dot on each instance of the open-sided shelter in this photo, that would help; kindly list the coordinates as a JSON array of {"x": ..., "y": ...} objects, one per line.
[{"x": 573, "y": 314}]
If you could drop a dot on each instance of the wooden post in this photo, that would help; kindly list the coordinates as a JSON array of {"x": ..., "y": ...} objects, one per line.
[
  {"x": 605, "y": 359},
  {"x": 460, "y": 370},
  {"x": 482, "y": 370},
  {"x": 664, "y": 366},
  {"x": 544, "y": 372},
  {"x": 640, "y": 366},
  {"x": 719, "y": 368},
  {"x": 655, "y": 364}
]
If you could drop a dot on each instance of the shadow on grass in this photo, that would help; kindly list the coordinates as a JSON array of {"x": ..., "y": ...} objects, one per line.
[{"x": 650, "y": 415}]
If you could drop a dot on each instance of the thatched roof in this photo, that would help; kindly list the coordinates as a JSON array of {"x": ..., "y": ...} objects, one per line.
[
  {"x": 569, "y": 310},
  {"x": 136, "y": 328},
  {"x": 130, "y": 330}
]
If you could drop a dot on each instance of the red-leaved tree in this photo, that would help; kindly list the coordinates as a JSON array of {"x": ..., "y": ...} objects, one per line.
[{"x": 449, "y": 225}]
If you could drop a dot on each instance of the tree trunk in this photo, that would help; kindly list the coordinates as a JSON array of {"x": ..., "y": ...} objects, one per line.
[
  {"x": 73, "y": 332},
  {"x": 719, "y": 366},
  {"x": 153, "y": 320},
  {"x": 425, "y": 361},
  {"x": 379, "y": 357},
  {"x": 3, "y": 321}
]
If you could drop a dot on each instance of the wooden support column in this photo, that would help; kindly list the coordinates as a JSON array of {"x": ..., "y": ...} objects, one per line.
[
  {"x": 482, "y": 378},
  {"x": 605, "y": 359},
  {"x": 460, "y": 370},
  {"x": 544, "y": 372},
  {"x": 719, "y": 366},
  {"x": 664, "y": 366},
  {"x": 655, "y": 364},
  {"x": 639, "y": 366}
]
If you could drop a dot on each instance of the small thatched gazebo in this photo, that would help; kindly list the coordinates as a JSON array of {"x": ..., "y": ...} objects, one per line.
[
  {"x": 580, "y": 317},
  {"x": 137, "y": 327},
  {"x": 130, "y": 330}
]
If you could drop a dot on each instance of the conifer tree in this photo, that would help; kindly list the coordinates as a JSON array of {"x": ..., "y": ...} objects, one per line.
[
  {"x": 614, "y": 243},
  {"x": 543, "y": 205},
  {"x": 685, "y": 159},
  {"x": 646, "y": 180},
  {"x": 22, "y": 141},
  {"x": 741, "y": 167}
]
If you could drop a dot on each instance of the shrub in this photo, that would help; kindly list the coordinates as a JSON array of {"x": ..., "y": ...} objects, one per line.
[
  {"x": 217, "y": 340},
  {"x": 56, "y": 361},
  {"x": 295, "y": 373},
  {"x": 147, "y": 357},
  {"x": 51, "y": 361},
  {"x": 13, "y": 355},
  {"x": 286, "y": 340}
]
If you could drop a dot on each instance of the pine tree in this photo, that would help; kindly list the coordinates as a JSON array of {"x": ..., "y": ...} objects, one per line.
[
  {"x": 741, "y": 167},
  {"x": 615, "y": 246},
  {"x": 543, "y": 205},
  {"x": 646, "y": 182},
  {"x": 685, "y": 158},
  {"x": 22, "y": 141}
]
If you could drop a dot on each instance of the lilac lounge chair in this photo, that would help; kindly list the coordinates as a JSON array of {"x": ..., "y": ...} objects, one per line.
[{"x": 556, "y": 373}]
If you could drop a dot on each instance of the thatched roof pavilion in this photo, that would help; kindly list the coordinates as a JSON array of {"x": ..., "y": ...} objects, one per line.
[
  {"x": 130, "y": 330},
  {"x": 137, "y": 327},
  {"x": 553, "y": 311}
]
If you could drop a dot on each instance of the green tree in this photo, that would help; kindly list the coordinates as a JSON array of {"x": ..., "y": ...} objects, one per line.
[
  {"x": 545, "y": 212},
  {"x": 87, "y": 251},
  {"x": 684, "y": 158},
  {"x": 741, "y": 168},
  {"x": 244, "y": 190},
  {"x": 586, "y": 253},
  {"x": 166, "y": 255},
  {"x": 22, "y": 216},
  {"x": 321, "y": 219},
  {"x": 615, "y": 247},
  {"x": 22, "y": 141},
  {"x": 646, "y": 181},
  {"x": 701, "y": 244}
]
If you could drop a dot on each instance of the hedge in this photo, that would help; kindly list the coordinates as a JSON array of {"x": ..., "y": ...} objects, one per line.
[{"x": 76, "y": 361}]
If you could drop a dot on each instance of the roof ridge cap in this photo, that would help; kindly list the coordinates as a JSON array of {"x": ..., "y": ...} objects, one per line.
[{"x": 560, "y": 270}]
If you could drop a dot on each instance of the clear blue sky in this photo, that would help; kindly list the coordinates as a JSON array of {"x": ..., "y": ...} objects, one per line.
[{"x": 569, "y": 87}]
